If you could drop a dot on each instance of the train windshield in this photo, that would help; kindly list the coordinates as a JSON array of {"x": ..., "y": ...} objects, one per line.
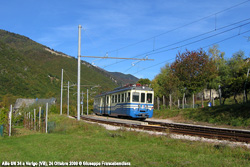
[
  {"x": 136, "y": 97},
  {"x": 149, "y": 98}
]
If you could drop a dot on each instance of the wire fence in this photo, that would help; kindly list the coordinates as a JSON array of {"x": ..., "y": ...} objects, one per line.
[
  {"x": 35, "y": 120},
  {"x": 206, "y": 98}
]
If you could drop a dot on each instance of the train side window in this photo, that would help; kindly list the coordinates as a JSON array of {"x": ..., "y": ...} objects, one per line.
[
  {"x": 122, "y": 97},
  {"x": 149, "y": 98},
  {"x": 125, "y": 97},
  {"x": 135, "y": 97},
  {"x": 107, "y": 100},
  {"x": 119, "y": 98},
  {"x": 128, "y": 99},
  {"x": 143, "y": 97},
  {"x": 115, "y": 98}
]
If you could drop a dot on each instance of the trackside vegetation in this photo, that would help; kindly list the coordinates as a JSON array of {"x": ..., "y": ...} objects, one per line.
[
  {"x": 234, "y": 115},
  {"x": 73, "y": 140},
  {"x": 194, "y": 71}
]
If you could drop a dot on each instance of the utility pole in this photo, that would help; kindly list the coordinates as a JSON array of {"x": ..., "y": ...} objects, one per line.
[
  {"x": 68, "y": 101},
  {"x": 87, "y": 101},
  {"x": 82, "y": 102},
  {"x": 79, "y": 72},
  {"x": 61, "y": 93}
]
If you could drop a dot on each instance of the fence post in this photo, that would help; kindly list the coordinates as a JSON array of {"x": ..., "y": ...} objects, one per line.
[
  {"x": 193, "y": 100},
  {"x": 183, "y": 101},
  {"x": 26, "y": 120},
  {"x": 158, "y": 103},
  {"x": 10, "y": 115},
  {"x": 46, "y": 118},
  {"x": 202, "y": 103},
  {"x": 163, "y": 100},
  {"x": 220, "y": 93},
  {"x": 34, "y": 119},
  {"x": 178, "y": 103},
  {"x": 39, "y": 121},
  {"x": 245, "y": 94},
  {"x": 213, "y": 99},
  {"x": 170, "y": 101}
]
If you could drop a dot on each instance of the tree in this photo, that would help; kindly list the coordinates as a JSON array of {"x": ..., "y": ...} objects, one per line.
[
  {"x": 217, "y": 57},
  {"x": 145, "y": 81},
  {"x": 194, "y": 70},
  {"x": 238, "y": 70},
  {"x": 166, "y": 83}
]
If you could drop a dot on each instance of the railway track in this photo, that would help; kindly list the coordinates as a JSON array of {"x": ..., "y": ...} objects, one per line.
[{"x": 183, "y": 129}]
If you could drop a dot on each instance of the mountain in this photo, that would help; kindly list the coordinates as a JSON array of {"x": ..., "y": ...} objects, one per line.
[
  {"x": 124, "y": 79},
  {"x": 31, "y": 70},
  {"x": 118, "y": 77}
]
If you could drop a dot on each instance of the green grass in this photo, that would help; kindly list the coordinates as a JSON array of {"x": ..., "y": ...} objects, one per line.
[{"x": 78, "y": 141}]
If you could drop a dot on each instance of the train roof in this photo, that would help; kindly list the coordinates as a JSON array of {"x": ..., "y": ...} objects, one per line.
[{"x": 125, "y": 88}]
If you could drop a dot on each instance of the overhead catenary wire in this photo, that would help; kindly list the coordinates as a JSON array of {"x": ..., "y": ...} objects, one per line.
[
  {"x": 203, "y": 18},
  {"x": 199, "y": 39},
  {"x": 76, "y": 77},
  {"x": 201, "y": 47},
  {"x": 208, "y": 32}
]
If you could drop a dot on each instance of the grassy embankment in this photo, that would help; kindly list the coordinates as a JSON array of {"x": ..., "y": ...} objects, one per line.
[
  {"x": 79, "y": 141},
  {"x": 233, "y": 115}
]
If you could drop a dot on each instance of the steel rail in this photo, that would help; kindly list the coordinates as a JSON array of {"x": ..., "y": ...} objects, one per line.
[{"x": 184, "y": 129}]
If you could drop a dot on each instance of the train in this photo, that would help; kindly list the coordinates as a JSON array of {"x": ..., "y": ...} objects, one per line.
[{"x": 132, "y": 101}]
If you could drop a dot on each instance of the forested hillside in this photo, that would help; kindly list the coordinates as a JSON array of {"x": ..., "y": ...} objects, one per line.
[{"x": 30, "y": 70}]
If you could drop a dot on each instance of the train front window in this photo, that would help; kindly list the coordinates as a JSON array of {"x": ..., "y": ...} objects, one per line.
[
  {"x": 136, "y": 96},
  {"x": 149, "y": 98},
  {"x": 143, "y": 97}
]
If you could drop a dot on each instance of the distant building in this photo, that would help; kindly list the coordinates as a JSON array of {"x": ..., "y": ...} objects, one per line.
[
  {"x": 28, "y": 102},
  {"x": 213, "y": 92},
  {"x": 206, "y": 94}
]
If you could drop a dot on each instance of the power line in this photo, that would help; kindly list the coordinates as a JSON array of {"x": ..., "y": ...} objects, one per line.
[
  {"x": 201, "y": 47},
  {"x": 154, "y": 51},
  {"x": 214, "y": 14},
  {"x": 199, "y": 39}
]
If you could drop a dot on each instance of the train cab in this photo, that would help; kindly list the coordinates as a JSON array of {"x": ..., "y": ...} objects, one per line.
[{"x": 134, "y": 101}]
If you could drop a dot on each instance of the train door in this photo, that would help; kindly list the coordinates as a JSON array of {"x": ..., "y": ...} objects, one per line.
[
  {"x": 143, "y": 103},
  {"x": 100, "y": 105},
  {"x": 107, "y": 105}
]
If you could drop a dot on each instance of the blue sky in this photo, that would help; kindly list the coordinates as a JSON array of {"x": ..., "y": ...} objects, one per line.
[{"x": 109, "y": 25}]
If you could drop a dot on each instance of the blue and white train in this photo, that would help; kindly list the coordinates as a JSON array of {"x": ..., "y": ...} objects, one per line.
[{"x": 134, "y": 101}]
